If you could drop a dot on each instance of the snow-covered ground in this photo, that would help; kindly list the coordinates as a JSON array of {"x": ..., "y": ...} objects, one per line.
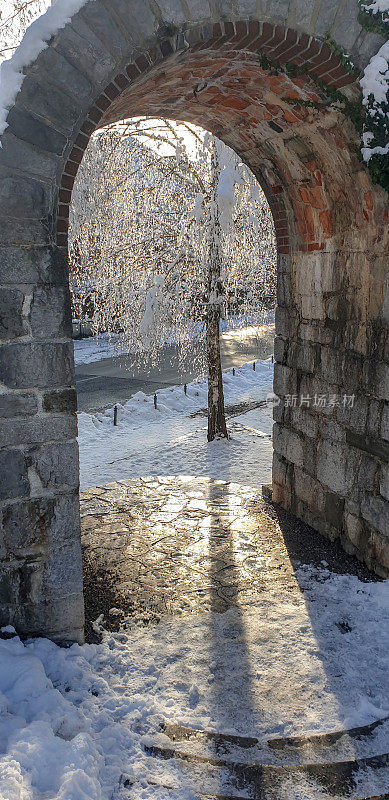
[
  {"x": 73, "y": 721},
  {"x": 170, "y": 440}
]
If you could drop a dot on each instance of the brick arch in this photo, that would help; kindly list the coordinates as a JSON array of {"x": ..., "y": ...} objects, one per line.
[{"x": 184, "y": 61}]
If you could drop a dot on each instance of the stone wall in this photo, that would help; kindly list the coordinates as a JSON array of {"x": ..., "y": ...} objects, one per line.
[{"x": 197, "y": 61}]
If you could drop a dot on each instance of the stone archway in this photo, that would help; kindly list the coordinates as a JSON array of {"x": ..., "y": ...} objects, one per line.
[{"x": 213, "y": 63}]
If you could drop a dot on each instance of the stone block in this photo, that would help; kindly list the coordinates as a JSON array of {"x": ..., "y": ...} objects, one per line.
[
  {"x": 33, "y": 265},
  {"x": 325, "y": 17},
  {"x": 84, "y": 51},
  {"x": 375, "y": 447},
  {"x": 337, "y": 465},
  {"x": 334, "y": 510},
  {"x": 302, "y": 355},
  {"x": 11, "y": 313},
  {"x": 136, "y": 14},
  {"x": 50, "y": 103},
  {"x": 51, "y": 62},
  {"x": 376, "y": 553},
  {"x": 280, "y": 349},
  {"x": 279, "y": 470},
  {"x": 17, "y": 405},
  {"x": 60, "y": 402},
  {"x": 28, "y": 233},
  {"x": 330, "y": 429},
  {"x": 315, "y": 333},
  {"x": 50, "y": 313},
  {"x": 284, "y": 380},
  {"x": 354, "y": 528},
  {"x": 346, "y": 28},
  {"x": 289, "y": 444},
  {"x": 13, "y": 475},
  {"x": 308, "y": 490},
  {"x": 29, "y": 129},
  {"x": 305, "y": 422},
  {"x": 384, "y": 481},
  {"x": 56, "y": 464},
  {"x": 367, "y": 472},
  {"x": 331, "y": 365},
  {"x": 375, "y": 510},
  {"x": 39, "y": 429},
  {"x": 98, "y": 18},
  {"x": 22, "y": 197},
  {"x": 282, "y": 321},
  {"x": 26, "y": 365},
  {"x": 14, "y": 152},
  {"x": 385, "y": 423},
  {"x": 284, "y": 289}
]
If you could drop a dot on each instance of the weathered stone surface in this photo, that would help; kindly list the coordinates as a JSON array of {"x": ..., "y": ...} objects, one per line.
[
  {"x": 13, "y": 475},
  {"x": 50, "y": 103},
  {"x": 284, "y": 380},
  {"x": 384, "y": 481},
  {"x": 39, "y": 429},
  {"x": 385, "y": 423},
  {"x": 11, "y": 313},
  {"x": 33, "y": 265},
  {"x": 50, "y": 313},
  {"x": 55, "y": 465},
  {"x": 17, "y": 405},
  {"x": 305, "y": 422},
  {"x": 22, "y": 197},
  {"x": 40, "y": 365},
  {"x": 15, "y": 152},
  {"x": 308, "y": 490},
  {"x": 137, "y": 17},
  {"x": 375, "y": 511},
  {"x": 95, "y": 63},
  {"x": 62, "y": 401},
  {"x": 52, "y": 63},
  {"x": 288, "y": 444},
  {"x": 102, "y": 23},
  {"x": 336, "y": 466},
  {"x": 28, "y": 128}
]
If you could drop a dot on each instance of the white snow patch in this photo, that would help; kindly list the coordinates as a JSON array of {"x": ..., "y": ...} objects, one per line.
[
  {"x": 170, "y": 441},
  {"x": 73, "y": 721}
]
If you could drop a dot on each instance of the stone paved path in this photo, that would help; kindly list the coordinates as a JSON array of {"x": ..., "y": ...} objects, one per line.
[{"x": 174, "y": 545}]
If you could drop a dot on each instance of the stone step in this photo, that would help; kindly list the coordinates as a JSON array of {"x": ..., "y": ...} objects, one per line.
[
  {"x": 342, "y": 745},
  {"x": 356, "y": 778}
]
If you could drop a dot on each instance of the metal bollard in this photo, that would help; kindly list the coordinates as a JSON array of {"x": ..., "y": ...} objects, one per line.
[
  {"x": 115, "y": 416},
  {"x": 155, "y": 402}
]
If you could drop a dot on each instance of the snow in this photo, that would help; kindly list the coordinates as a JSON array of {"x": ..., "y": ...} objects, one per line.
[
  {"x": 87, "y": 351},
  {"x": 377, "y": 6},
  {"x": 170, "y": 440},
  {"x": 73, "y": 722},
  {"x": 34, "y": 41},
  {"x": 375, "y": 83}
]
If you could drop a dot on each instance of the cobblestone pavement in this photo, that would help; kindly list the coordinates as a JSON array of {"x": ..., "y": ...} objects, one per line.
[{"x": 158, "y": 546}]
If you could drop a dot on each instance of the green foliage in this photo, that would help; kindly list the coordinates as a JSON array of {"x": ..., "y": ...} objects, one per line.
[
  {"x": 341, "y": 54},
  {"x": 373, "y": 23}
]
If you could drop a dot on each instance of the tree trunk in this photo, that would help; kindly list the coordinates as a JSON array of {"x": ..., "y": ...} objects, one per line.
[{"x": 217, "y": 426}]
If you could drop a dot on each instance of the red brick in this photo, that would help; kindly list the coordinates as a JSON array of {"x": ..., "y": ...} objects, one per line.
[
  {"x": 76, "y": 155},
  {"x": 112, "y": 91},
  {"x": 71, "y": 168},
  {"x": 62, "y": 225},
  {"x": 82, "y": 141},
  {"x": 67, "y": 181},
  {"x": 63, "y": 211},
  {"x": 64, "y": 196},
  {"x": 95, "y": 114},
  {"x": 62, "y": 240},
  {"x": 142, "y": 63},
  {"x": 132, "y": 71}
]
